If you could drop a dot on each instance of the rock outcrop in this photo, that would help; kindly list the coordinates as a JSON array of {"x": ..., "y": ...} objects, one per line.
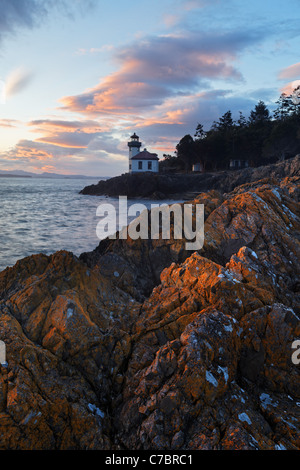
[
  {"x": 60, "y": 323},
  {"x": 145, "y": 345},
  {"x": 160, "y": 185}
]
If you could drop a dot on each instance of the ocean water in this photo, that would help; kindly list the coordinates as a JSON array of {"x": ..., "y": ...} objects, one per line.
[{"x": 39, "y": 215}]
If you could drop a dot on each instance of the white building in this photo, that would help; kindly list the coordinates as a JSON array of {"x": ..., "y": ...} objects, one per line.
[
  {"x": 141, "y": 161},
  {"x": 198, "y": 167},
  {"x": 238, "y": 164}
]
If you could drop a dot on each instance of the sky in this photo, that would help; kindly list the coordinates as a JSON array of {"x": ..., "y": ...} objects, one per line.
[{"x": 79, "y": 77}]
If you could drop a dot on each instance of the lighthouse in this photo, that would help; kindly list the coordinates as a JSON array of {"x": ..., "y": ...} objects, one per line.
[
  {"x": 141, "y": 161},
  {"x": 134, "y": 148}
]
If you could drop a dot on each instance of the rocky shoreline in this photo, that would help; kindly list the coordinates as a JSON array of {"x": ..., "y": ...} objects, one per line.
[
  {"x": 184, "y": 186},
  {"x": 144, "y": 345}
]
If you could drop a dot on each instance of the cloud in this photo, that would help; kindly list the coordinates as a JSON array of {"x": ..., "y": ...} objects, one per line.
[
  {"x": 28, "y": 151},
  {"x": 205, "y": 107},
  {"x": 95, "y": 50},
  {"x": 163, "y": 88},
  {"x": 290, "y": 87},
  {"x": 291, "y": 72},
  {"x": 61, "y": 141},
  {"x": 8, "y": 123},
  {"x": 71, "y": 146},
  {"x": 20, "y": 14},
  {"x": 75, "y": 140},
  {"x": 17, "y": 81},
  {"x": 34, "y": 155},
  {"x": 50, "y": 125},
  {"x": 158, "y": 68},
  {"x": 67, "y": 134}
]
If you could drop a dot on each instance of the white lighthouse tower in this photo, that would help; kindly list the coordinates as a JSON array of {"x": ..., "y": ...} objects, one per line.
[{"x": 134, "y": 148}]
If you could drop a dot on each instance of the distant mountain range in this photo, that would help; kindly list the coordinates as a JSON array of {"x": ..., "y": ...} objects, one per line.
[{"x": 27, "y": 174}]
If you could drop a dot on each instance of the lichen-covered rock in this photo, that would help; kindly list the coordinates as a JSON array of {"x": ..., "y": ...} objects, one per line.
[
  {"x": 63, "y": 329},
  {"x": 145, "y": 345},
  {"x": 226, "y": 333},
  {"x": 213, "y": 358}
]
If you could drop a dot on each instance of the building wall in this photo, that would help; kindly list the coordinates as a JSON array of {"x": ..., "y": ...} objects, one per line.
[
  {"x": 237, "y": 164},
  {"x": 133, "y": 151},
  {"x": 138, "y": 166},
  {"x": 198, "y": 167}
]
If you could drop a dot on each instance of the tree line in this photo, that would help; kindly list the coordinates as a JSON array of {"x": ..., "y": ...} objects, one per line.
[{"x": 262, "y": 138}]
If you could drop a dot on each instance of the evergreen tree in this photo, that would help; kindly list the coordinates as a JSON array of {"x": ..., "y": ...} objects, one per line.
[
  {"x": 186, "y": 151},
  {"x": 282, "y": 141},
  {"x": 260, "y": 114},
  {"x": 284, "y": 107},
  {"x": 242, "y": 121},
  {"x": 200, "y": 133},
  {"x": 222, "y": 139},
  {"x": 225, "y": 122},
  {"x": 260, "y": 138}
]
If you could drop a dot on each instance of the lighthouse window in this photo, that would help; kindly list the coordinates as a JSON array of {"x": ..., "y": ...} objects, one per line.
[
  {"x": 140, "y": 165},
  {"x": 149, "y": 165}
]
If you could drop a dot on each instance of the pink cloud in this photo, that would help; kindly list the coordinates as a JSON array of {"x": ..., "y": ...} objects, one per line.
[
  {"x": 50, "y": 124},
  {"x": 67, "y": 134},
  {"x": 293, "y": 71},
  {"x": 27, "y": 151},
  {"x": 290, "y": 87},
  {"x": 153, "y": 70},
  {"x": 8, "y": 123}
]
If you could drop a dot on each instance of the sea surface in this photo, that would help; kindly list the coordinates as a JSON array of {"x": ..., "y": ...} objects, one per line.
[{"x": 41, "y": 215}]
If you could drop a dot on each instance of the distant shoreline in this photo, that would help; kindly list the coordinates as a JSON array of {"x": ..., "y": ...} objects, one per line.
[
  {"x": 14, "y": 176},
  {"x": 52, "y": 177}
]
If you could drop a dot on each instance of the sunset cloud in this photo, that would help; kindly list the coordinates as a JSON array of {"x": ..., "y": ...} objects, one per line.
[
  {"x": 290, "y": 87},
  {"x": 291, "y": 72},
  {"x": 68, "y": 134},
  {"x": 8, "y": 123},
  {"x": 158, "y": 68},
  {"x": 27, "y": 151},
  {"x": 101, "y": 150},
  {"x": 50, "y": 124},
  {"x": 77, "y": 140},
  {"x": 162, "y": 88}
]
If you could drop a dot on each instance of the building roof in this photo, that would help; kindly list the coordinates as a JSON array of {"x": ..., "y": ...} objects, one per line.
[
  {"x": 145, "y": 155},
  {"x": 134, "y": 136}
]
